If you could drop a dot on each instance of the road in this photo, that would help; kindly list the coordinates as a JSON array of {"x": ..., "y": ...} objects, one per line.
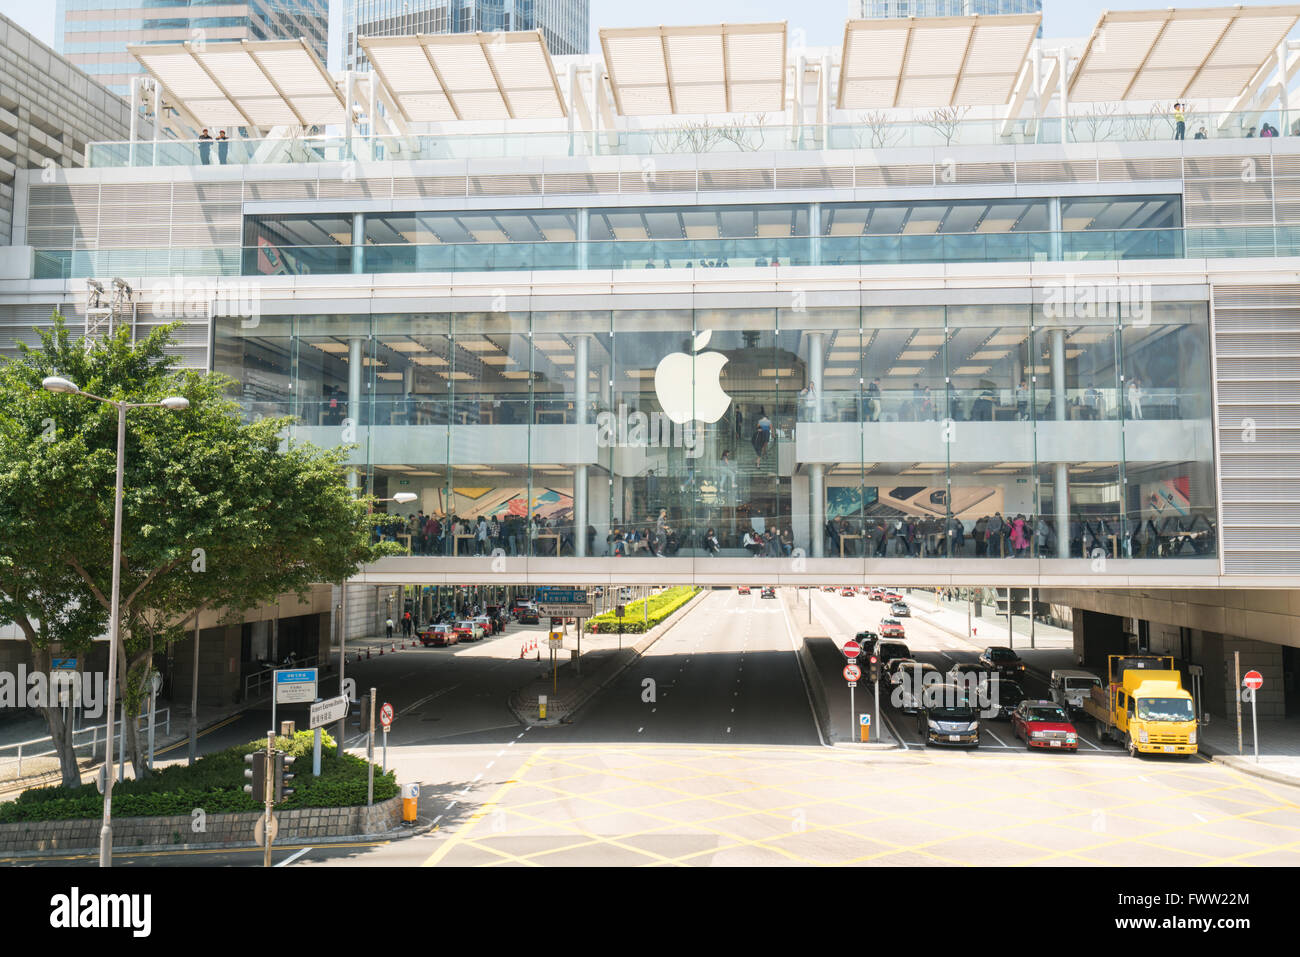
[{"x": 722, "y": 765}]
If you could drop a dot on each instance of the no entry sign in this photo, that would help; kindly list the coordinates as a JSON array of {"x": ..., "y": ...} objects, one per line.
[
  {"x": 852, "y": 649},
  {"x": 1253, "y": 680}
]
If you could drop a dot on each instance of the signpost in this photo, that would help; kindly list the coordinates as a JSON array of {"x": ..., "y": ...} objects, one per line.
[
  {"x": 864, "y": 722},
  {"x": 1253, "y": 681},
  {"x": 852, "y": 649},
  {"x": 386, "y": 719},
  {"x": 851, "y": 674},
  {"x": 293, "y": 686},
  {"x": 564, "y": 603}
]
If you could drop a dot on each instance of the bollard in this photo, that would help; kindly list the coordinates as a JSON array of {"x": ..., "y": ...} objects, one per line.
[{"x": 410, "y": 799}]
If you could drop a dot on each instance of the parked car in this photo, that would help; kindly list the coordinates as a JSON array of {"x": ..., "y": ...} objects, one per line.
[
  {"x": 741, "y": 590},
  {"x": 487, "y": 623},
  {"x": 1044, "y": 724},
  {"x": 913, "y": 678},
  {"x": 1003, "y": 660},
  {"x": 438, "y": 636},
  {"x": 899, "y": 609},
  {"x": 767, "y": 592},
  {"x": 892, "y": 628},
  {"x": 469, "y": 630},
  {"x": 946, "y": 716},
  {"x": 1071, "y": 685}
]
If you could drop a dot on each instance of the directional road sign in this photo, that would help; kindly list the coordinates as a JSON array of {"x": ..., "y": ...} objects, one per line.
[
  {"x": 553, "y": 610},
  {"x": 328, "y": 711},
  {"x": 560, "y": 596}
]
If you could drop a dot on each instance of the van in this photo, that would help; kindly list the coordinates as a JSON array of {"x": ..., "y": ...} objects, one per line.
[{"x": 1071, "y": 685}]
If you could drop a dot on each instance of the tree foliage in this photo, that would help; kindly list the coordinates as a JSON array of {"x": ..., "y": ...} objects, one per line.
[{"x": 217, "y": 513}]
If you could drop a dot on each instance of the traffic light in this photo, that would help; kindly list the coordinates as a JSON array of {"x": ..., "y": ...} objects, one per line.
[
  {"x": 256, "y": 774},
  {"x": 366, "y": 705},
  {"x": 873, "y": 668},
  {"x": 282, "y": 776}
]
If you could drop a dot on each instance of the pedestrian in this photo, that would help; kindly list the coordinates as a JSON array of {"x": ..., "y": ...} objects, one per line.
[
  {"x": 205, "y": 147},
  {"x": 762, "y": 435},
  {"x": 1135, "y": 398},
  {"x": 223, "y": 147},
  {"x": 407, "y": 624},
  {"x": 1180, "y": 122},
  {"x": 388, "y": 624}
]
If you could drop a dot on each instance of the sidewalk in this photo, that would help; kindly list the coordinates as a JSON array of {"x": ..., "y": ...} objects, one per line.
[
  {"x": 1053, "y": 647},
  {"x": 1279, "y": 746}
]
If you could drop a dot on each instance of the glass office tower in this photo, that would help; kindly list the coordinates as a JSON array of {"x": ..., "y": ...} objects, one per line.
[
  {"x": 94, "y": 34},
  {"x": 563, "y": 22}
]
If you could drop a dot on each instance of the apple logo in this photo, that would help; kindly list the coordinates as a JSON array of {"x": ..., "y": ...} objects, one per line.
[{"x": 678, "y": 375}]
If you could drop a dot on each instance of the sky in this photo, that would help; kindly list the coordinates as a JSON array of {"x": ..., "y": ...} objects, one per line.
[{"x": 821, "y": 20}]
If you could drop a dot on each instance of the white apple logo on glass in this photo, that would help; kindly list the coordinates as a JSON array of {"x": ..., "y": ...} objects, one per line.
[{"x": 678, "y": 372}]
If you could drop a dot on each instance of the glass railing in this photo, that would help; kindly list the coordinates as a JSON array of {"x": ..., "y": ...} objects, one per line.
[
  {"x": 940, "y": 129},
  {"x": 1093, "y": 244}
]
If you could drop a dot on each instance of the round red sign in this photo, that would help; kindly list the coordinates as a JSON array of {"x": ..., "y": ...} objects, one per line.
[
  {"x": 852, "y": 649},
  {"x": 852, "y": 672},
  {"x": 1253, "y": 680}
]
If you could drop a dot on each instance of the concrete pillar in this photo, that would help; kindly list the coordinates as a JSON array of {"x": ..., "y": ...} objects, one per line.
[
  {"x": 1057, "y": 244},
  {"x": 358, "y": 242},
  {"x": 356, "y": 362},
  {"x": 581, "y": 348},
  {"x": 1061, "y": 489},
  {"x": 817, "y": 510}
]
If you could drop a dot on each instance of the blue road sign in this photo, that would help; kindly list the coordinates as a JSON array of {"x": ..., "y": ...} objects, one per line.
[
  {"x": 560, "y": 596},
  {"x": 63, "y": 664}
]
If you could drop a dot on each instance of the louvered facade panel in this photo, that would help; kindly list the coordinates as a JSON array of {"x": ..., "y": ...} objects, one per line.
[
  {"x": 815, "y": 177},
  {"x": 279, "y": 189},
  {"x": 884, "y": 177},
  {"x": 975, "y": 174},
  {"x": 562, "y": 183},
  {"x": 1133, "y": 171},
  {"x": 729, "y": 179},
  {"x": 657, "y": 181},
  {"x": 356, "y": 189},
  {"x": 1256, "y": 332},
  {"x": 419, "y": 186},
  {"x": 505, "y": 185},
  {"x": 1068, "y": 171}
]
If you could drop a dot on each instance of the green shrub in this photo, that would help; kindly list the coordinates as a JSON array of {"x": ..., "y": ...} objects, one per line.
[
  {"x": 635, "y": 620},
  {"x": 215, "y": 783}
]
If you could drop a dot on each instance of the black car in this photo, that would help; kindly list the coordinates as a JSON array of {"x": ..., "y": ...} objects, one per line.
[
  {"x": 767, "y": 592},
  {"x": 869, "y": 641},
  {"x": 1003, "y": 661},
  {"x": 946, "y": 716},
  {"x": 889, "y": 650},
  {"x": 1003, "y": 697}
]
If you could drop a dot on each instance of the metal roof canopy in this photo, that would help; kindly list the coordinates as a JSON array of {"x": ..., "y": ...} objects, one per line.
[
  {"x": 467, "y": 76},
  {"x": 261, "y": 84},
  {"x": 722, "y": 68},
  {"x": 933, "y": 61},
  {"x": 1174, "y": 54}
]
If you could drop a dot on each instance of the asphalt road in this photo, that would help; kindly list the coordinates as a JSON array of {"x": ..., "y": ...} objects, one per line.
[{"x": 722, "y": 766}]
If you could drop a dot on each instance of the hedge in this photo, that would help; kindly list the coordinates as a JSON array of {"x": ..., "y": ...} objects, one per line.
[
  {"x": 658, "y": 607},
  {"x": 215, "y": 783}
]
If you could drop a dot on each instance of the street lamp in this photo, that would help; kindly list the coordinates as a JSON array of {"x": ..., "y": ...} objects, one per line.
[{"x": 173, "y": 403}]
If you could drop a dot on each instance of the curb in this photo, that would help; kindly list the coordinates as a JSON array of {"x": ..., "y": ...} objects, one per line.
[
  {"x": 1246, "y": 766},
  {"x": 614, "y": 670},
  {"x": 399, "y": 834}
]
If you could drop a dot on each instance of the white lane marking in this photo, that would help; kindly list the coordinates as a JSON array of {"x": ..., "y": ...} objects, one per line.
[
  {"x": 652, "y": 711},
  {"x": 987, "y": 730},
  {"x": 437, "y": 819},
  {"x": 510, "y": 745},
  {"x": 1199, "y": 818},
  {"x": 475, "y": 781},
  {"x": 452, "y": 805},
  {"x": 499, "y": 753},
  {"x": 640, "y": 729},
  {"x": 1143, "y": 777},
  {"x": 293, "y": 857},
  {"x": 728, "y": 729},
  {"x": 415, "y": 704},
  {"x": 489, "y": 766},
  {"x": 1089, "y": 743}
]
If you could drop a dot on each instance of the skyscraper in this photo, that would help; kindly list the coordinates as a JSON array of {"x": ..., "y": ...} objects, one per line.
[
  {"x": 882, "y": 9},
  {"x": 563, "y": 22},
  {"x": 93, "y": 34}
]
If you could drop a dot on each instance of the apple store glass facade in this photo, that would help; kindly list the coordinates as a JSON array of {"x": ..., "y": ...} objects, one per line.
[{"x": 1074, "y": 427}]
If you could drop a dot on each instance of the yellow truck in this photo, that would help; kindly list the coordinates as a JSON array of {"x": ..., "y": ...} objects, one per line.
[{"x": 1144, "y": 706}]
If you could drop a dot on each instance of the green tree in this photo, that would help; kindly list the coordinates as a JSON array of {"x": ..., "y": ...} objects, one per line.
[{"x": 217, "y": 513}]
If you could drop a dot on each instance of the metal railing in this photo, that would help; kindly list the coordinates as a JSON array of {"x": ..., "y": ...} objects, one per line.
[
  {"x": 23, "y": 749},
  {"x": 945, "y": 128},
  {"x": 253, "y": 683}
]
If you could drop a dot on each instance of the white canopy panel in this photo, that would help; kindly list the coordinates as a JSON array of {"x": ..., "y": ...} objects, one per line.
[
  {"x": 723, "y": 68},
  {"x": 933, "y": 61},
  {"x": 1209, "y": 53},
  {"x": 467, "y": 76},
  {"x": 263, "y": 83}
]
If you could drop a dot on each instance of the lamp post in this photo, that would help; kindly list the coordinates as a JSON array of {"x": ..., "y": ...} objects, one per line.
[
  {"x": 401, "y": 498},
  {"x": 175, "y": 404}
]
